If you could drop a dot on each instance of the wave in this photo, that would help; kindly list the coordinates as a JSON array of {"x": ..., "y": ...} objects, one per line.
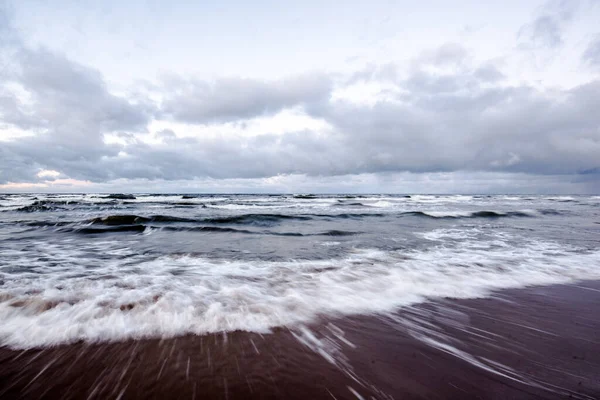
[
  {"x": 216, "y": 229},
  {"x": 35, "y": 208},
  {"x": 350, "y": 215},
  {"x": 185, "y": 294},
  {"x": 45, "y": 205},
  {"x": 335, "y": 232},
  {"x": 562, "y": 199},
  {"x": 45, "y": 223},
  {"x": 291, "y": 234},
  {"x": 57, "y": 205},
  {"x": 120, "y": 196},
  {"x": 256, "y": 219},
  {"x": 213, "y": 229},
  {"x": 126, "y": 219},
  {"x": 111, "y": 229},
  {"x": 465, "y": 214},
  {"x": 549, "y": 211},
  {"x": 342, "y": 203},
  {"x": 430, "y": 214}
]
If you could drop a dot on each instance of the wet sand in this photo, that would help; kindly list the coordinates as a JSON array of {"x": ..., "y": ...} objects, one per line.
[{"x": 540, "y": 343}]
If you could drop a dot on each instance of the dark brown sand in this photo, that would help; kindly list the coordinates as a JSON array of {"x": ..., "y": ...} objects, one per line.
[{"x": 536, "y": 343}]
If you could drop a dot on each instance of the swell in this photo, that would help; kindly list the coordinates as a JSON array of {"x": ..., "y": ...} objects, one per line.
[
  {"x": 126, "y": 219},
  {"x": 469, "y": 215},
  {"x": 57, "y": 205},
  {"x": 216, "y": 229},
  {"x": 138, "y": 228},
  {"x": 255, "y": 219},
  {"x": 272, "y": 233},
  {"x": 45, "y": 205},
  {"x": 112, "y": 229},
  {"x": 336, "y": 232},
  {"x": 350, "y": 215},
  {"x": 342, "y": 203},
  {"x": 550, "y": 211},
  {"x": 266, "y": 220}
]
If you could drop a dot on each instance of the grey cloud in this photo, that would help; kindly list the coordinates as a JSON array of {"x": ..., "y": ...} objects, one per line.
[
  {"x": 459, "y": 122},
  {"x": 70, "y": 108},
  {"x": 591, "y": 55},
  {"x": 498, "y": 129},
  {"x": 488, "y": 73},
  {"x": 452, "y": 122},
  {"x": 166, "y": 134},
  {"x": 196, "y": 101},
  {"x": 74, "y": 97},
  {"x": 448, "y": 53},
  {"x": 546, "y": 30}
]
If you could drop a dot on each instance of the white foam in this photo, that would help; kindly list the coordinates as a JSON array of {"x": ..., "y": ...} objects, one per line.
[
  {"x": 449, "y": 213},
  {"x": 383, "y": 204},
  {"x": 441, "y": 199},
  {"x": 80, "y": 299},
  {"x": 14, "y": 202},
  {"x": 253, "y": 207},
  {"x": 560, "y": 198}
]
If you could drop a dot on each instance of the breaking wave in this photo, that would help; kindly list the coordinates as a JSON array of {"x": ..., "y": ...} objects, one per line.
[{"x": 173, "y": 295}]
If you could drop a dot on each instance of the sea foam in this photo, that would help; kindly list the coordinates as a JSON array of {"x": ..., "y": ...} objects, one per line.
[{"x": 129, "y": 295}]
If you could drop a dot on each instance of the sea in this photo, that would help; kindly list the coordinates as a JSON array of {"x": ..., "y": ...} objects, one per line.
[{"x": 113, "y": 267}]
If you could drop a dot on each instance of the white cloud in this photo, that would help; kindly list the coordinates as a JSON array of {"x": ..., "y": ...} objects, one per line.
[{"x": 48, "y": 173}]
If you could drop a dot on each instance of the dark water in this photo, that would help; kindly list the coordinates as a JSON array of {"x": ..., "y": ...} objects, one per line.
[{"x": 95, "y": 268}]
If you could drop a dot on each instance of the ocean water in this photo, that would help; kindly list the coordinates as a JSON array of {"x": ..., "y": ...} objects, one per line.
[{"x": 94, "y": 268}]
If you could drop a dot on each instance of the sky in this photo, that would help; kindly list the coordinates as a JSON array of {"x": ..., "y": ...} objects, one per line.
[{"x": 295, "y": 97}]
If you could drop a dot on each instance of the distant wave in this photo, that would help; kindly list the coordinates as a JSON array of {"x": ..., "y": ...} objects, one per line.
[
  {"x": 138, "y": 228},
  {"x": 112, "y": 229},
  {"x": 338, "y": 233},
  {"x": 45, "y": 205},
  {"x": 227, "y": 229},
  {"x": 550, "y": 211},
  {"x": 120, "y": 196},
  {"x": 216, "y": 229},
  {"x": 467, "y": 214},
  {"x": 343, "y": 203},
  {"x": 35, "y": 208},
  {"x": 45, "y": 223},
  {"x": 134, "y": 219},
  {"x": 55, "y": 205},
  {"x": 350, "y": 215},
  {"x": 255, "y": 219}
]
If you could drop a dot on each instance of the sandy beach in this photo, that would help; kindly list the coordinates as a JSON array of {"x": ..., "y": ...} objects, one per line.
[{"x": 539, "y": 342}]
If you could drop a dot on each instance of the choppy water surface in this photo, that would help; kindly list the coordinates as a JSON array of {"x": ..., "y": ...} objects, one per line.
[{"x": 94, "y": 268}]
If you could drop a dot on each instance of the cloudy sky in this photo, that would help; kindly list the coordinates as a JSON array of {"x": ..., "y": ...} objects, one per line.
[{"x": 315, "y": 96}]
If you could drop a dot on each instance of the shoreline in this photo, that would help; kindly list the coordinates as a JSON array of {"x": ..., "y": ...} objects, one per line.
[{"x": 537, "y": 342}]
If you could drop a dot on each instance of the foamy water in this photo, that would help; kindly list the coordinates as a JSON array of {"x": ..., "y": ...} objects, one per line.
[{"x": 78, "y": 271}]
